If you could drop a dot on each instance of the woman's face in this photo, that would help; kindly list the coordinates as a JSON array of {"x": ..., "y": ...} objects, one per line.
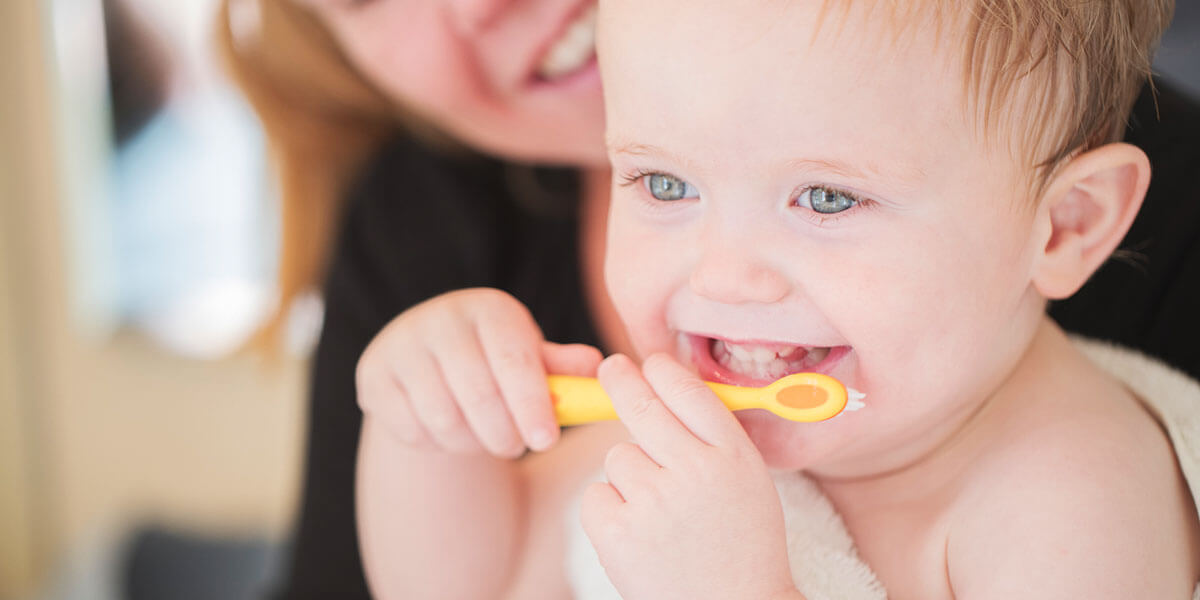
[{"x": 516, "y": 78}]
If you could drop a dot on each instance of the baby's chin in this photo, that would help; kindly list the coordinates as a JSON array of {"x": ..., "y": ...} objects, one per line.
[{"x": 781, "y": 443}]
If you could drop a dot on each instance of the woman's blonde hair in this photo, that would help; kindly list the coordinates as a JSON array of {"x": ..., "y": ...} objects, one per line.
[{"x": 322, "y": 121}]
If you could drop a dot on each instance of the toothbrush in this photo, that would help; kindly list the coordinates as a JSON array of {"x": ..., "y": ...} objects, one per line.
[{"x": 803, "y": 397}]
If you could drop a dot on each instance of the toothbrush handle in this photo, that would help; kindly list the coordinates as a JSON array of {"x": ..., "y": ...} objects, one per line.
[{"x": 579, "y": 400}]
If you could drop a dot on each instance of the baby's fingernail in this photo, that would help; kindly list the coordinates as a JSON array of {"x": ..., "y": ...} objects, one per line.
[{"x": 540, "y": 439}]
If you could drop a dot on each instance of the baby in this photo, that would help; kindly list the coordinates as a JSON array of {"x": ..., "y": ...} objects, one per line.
[{"x": 887, "y": 192}]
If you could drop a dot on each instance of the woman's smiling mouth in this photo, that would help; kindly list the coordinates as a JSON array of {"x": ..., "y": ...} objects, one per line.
[
  {"x": 573, "y": 50},
  {"x": 756, "y": 364}
]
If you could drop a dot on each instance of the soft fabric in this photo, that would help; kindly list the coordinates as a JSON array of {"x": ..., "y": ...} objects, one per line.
[
  {"x": 825, "y": 565},
  {"x": 1169, "y": 395}
]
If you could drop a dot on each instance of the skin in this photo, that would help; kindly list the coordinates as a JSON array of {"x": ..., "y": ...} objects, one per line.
[{"x": 469, "y": 66}]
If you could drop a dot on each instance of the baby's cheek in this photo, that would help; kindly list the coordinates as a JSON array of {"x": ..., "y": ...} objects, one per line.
[
  {"x": 625, "y": 287},
  {"x": 620, "y": 278},
  {"x": 639, "y": 272},
  {"x": 793, "y": 446}
]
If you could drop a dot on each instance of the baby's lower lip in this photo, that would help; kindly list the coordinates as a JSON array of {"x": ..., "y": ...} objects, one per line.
[{"x": 710, "y": 370}]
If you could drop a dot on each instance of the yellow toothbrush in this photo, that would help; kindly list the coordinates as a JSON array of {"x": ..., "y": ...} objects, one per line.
[{"x": 804, "y": 397}]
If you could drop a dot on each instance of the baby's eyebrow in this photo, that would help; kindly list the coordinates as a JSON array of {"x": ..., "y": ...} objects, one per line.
[
  {"x": 898, "y": 172},
  {"x": 636, "y": 149},
  {"x": 866, "y": 171}
]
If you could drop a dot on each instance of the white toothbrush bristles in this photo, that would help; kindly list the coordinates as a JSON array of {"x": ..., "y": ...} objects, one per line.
[{"x": 854, "y": 400}]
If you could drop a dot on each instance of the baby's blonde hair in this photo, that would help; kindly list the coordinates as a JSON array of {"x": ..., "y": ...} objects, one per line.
[
  {"x": 1056, "y": 77},
  {"x": 1062, "y": 74}
]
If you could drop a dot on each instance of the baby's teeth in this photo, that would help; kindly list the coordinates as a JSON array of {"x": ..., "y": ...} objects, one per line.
[
  {"x": 816, "y": 355},
  {"x": 765, "y": 363},
  {"x": 778, "y": 368}
]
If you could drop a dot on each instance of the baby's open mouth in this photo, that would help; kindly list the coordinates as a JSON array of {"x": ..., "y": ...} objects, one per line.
[{"x": 759, "y": 363}]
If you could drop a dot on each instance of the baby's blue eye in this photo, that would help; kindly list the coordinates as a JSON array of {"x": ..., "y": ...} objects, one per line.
[
  {"x": 825, "y": 200},
  {"x": 666, "y": 187}
]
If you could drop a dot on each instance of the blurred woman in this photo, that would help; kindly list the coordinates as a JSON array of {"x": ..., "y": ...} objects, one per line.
[{"x": 458, "y": 143}]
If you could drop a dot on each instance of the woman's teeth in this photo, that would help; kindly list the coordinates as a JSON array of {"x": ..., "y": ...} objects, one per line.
[
  {"x": 573, "y": 50},
  {"x": 766, "y": 362}
]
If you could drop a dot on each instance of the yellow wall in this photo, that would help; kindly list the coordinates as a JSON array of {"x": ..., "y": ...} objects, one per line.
[
  {"x": 25, "y": 172},
  {"x": 96, "y": 433}
]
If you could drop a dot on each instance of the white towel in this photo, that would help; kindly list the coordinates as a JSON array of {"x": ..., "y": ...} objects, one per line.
[{"x": 825, "y": 564}]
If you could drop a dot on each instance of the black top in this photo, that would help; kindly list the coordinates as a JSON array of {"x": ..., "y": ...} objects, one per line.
[
  {"x": 418, "y": 225},
  {"x": 1148, "y": 296}
]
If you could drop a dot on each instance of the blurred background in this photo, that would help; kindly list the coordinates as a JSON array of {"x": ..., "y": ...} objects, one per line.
[{"x": 142, "y": 453}]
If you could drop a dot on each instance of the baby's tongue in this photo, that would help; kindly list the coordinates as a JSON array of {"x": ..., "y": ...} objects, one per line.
[{"x": 796, "y": 353}]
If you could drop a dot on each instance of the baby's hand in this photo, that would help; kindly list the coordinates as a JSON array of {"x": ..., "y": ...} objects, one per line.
[
  {"x": 466, "y": 372},
  {"x": 689, "y": 511}
]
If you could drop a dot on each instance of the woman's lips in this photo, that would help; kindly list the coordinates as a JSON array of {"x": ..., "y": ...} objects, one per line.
[
  {"x": 573, "y": 49},
  {"x": 585, "y": 77},
  {"x": 710, "y": 370}
]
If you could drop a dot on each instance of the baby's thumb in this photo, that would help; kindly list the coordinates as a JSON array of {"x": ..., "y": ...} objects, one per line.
[{"x": 571, "y": 359}]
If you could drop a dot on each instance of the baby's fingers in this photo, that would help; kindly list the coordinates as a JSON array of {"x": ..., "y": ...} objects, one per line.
[
  {"x": 382, "y": 396},
  {"x": 469, "y": 377},
  {"x": 571, "y": 359},
  {"x": 434, "y": 406},
  {"x": 512, "y": 344},
  {"x": 653, "y": 426},
  {"x": 692, "y": 402}
]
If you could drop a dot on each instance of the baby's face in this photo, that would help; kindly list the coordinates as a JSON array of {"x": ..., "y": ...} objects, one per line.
[{"x": 794, "y": 196}]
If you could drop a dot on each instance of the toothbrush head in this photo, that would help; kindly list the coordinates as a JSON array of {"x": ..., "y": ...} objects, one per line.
[{"x": 805, "y": 397}]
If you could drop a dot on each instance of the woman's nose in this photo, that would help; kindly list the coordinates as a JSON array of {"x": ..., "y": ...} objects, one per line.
[
  {"x": 734, "y": 277},
  {"x": 472, "y": 16}
]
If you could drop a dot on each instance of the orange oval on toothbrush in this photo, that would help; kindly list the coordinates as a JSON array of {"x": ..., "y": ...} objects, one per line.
[
  {"x": 802, "y": 397},
  {"x": 798, "y": 396}
]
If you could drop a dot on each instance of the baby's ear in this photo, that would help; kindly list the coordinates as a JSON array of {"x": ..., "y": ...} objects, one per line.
[{"x": 1089, "y": 205}]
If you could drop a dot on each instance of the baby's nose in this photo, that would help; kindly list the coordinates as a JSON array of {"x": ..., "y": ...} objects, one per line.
[{"x": 735, "y": 277}]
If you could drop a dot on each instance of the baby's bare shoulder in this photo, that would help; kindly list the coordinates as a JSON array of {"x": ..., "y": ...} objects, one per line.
[{"x": 1081, "y": 497}]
